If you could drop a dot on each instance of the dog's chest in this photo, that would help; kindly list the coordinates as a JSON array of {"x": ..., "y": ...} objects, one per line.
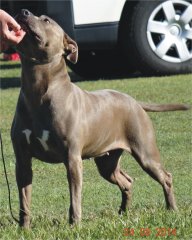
[
  {"x": 44, "y": 144},
  {"x": 35, "y": 130},
  {"x": 38, "y": 129},
  {"x": 42, "y": 138}
]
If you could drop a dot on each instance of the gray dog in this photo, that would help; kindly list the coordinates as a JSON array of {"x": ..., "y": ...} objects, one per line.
[{"x": 57, "y": 122}]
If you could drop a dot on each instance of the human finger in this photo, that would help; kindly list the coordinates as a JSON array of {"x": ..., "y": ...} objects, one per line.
[{"x": 13, "y": 24}]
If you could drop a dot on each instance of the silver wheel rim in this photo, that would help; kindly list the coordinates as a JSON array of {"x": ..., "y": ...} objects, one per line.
[{"x": 169, "y": 31}]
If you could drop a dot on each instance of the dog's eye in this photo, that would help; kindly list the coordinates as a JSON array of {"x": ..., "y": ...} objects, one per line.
[{"x": 46, "y": 20}]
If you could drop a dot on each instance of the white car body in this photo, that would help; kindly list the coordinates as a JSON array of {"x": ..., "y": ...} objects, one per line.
[{"x": 99, "y": 11}]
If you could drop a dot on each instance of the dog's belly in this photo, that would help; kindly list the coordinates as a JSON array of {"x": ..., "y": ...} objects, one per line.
[
  {"x": 94, "y": 151},
  {"x": 105, "y": 138}
]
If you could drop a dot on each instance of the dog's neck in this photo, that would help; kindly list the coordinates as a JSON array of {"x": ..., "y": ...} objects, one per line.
[{"x": 38, "y": 77}]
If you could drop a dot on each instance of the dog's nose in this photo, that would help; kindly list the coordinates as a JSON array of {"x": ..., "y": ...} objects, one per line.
[
  {"x": 25, "y": 12},
  {"x": 23, "y": 15}
]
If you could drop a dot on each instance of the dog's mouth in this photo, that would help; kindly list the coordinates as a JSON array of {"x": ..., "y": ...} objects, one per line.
[{"x": 25, "y": 26}]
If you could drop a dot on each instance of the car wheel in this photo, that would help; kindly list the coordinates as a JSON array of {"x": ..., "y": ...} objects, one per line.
[{"x": 159, "y": 36}]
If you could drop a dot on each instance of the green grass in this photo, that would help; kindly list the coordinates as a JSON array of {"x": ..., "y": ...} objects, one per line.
[{"x": 50, "y": 200}]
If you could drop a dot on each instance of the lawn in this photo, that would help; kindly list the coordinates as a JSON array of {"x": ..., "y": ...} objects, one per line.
[{"x": 147, "y": 217}]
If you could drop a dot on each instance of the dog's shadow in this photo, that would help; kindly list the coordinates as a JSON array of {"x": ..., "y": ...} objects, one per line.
[
  {"x": 76, "y": 78},
  {"x": 14, "y": 82},
  {"x": 6, "y": 83},
  {"x": 9, "y": 82},
  {"x": 10, "y": 66}
]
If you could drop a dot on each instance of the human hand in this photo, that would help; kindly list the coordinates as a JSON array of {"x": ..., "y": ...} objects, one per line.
[{"x": 10, "y": 31}]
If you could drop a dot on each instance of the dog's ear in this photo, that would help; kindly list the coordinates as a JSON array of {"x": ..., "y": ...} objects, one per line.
[{"x": 70, "y": 48}]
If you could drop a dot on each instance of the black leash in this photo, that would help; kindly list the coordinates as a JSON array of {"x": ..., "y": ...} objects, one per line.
[{"x": 7, "y": 181}]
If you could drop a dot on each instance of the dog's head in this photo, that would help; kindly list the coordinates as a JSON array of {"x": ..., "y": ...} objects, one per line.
[{"x": 44, "y": 38}]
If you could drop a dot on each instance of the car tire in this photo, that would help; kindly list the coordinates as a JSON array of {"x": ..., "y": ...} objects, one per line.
[{"x": 158, "y": 37}]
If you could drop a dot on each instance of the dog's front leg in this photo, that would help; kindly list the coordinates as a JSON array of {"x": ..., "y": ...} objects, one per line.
[
  {"x": 74, "y": 175},
  {"x": 24, "y": 183}
]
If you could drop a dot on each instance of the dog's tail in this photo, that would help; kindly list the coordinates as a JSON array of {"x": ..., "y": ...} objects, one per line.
[{"x": 164, "y": 107}]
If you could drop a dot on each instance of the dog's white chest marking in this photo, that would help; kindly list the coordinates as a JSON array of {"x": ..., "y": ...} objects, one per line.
[
  {"x": 27, "y": 133},
  {"x": 43, "y": 140}
]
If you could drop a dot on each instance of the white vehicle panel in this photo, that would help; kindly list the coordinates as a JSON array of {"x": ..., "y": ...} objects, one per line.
[{"x": 97, "y": 11}]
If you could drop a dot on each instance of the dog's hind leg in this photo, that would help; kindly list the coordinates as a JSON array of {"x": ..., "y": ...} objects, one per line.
[
  {"x": 144, "y": 150},
  {"x": 157, "y": 172},
  {"x": 109, "y": 168},
  {"x": 153, "y": 167}
]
